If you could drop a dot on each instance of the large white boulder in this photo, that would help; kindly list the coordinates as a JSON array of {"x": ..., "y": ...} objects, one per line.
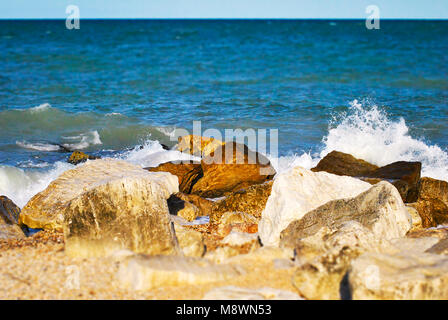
[
  {"x": 299, "y": 191},
  {"x": 107, "y": 205},
  {"x": 45, "y": 209}
]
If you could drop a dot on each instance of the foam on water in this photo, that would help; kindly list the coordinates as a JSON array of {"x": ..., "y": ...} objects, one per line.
[
  {"x": 285, "y": 163},
  {"x": 20, "y": 185},
  {"x": 368, "y": 133},
  {"x": 84, "y": 140},
  {"x": 39, "y": 146},
  {"x": 151, "y": 154},
  {"x": 39, "y": 108}
]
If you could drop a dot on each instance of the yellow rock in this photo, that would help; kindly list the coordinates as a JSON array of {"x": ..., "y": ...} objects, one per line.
[
  {"x": 146, "y": 272},
  {"x": 46, "y": 209},
  {"x": 78, "y": 157},
  {"x": 197, "y": 145}
]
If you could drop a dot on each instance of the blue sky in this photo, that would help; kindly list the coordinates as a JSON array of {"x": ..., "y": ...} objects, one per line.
[{"x": 420, "y": 9}]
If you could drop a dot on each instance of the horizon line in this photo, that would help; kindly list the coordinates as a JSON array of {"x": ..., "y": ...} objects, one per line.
[{"x": 291, "y": 19}]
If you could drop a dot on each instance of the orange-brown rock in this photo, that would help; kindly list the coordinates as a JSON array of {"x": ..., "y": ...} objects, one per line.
[
  {"x": 79, "y": 157},
  {"x": 429, "y": 188},
  {"x": 251, "y": 200},
  {"x": 344, "y": 164},
  {"x": 432, "y": 202},
  {"x": 239, "y": 221},
  {"x": 204, "y": 205},
  {"x": 187, "y": 173},
  {"x": 197, "y": 145},
  {"x": 231, "y": 167},
  {"x": 182, "y": 208},
  {"x": 189, "y": 206},
  {"x": 9, "y": 216},
  {"x": 246, "y": 227},
  {"x": 403, "y": 175},
  {"x": 190, "y": 178},
  {"x": 431, "y": 211},
  {"x": 441, "y": 233}
]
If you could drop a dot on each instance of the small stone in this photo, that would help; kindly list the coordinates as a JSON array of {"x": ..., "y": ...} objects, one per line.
[
  {"x": 197, "y": 145},
  {"x": 236, "y": 238},
  {"x": 78, "y": 157},
  {"x": 182, "y": 208}
]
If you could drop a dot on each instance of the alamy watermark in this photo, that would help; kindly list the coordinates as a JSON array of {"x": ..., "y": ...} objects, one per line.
[
  {"x": 372, "y": 279},
  {"x": 373, "y": 20},
  {"x": 247, "y": 143},
  {"x": 72, "y": 281},
  {"x": 72, "y": 21}
]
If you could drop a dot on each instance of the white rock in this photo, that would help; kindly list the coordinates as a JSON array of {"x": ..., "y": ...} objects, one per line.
[
  {"x": 405, "y": 275},
  {"x": 236, "y": 238},
  {"x": 147, "y": 272},
  {"x": 299, "y": 191},
  {"x": 45, "y": 208}
]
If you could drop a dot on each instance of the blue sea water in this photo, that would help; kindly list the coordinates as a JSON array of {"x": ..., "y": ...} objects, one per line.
[{"x": 113, "y": 85}]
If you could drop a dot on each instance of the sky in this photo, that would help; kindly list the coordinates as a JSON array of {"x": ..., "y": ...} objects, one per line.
[{"x": 337, "y": 9}]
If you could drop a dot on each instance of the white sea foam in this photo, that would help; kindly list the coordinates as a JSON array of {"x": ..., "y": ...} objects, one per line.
[
  {"x": 368, "y": 133},
  {"x": 151, "y": 154},
  {"x": 20, "y": 185},
  {"x": 31, "y": 164},
  {"x": 365, "y": 132},
  {"x": 285, "y": 163},
  {"x": 39, "y": 146},
  {"x": 169, "y": 132},
  {"x": 84, "y": 140},
  {"x": 39, "y": 108}
]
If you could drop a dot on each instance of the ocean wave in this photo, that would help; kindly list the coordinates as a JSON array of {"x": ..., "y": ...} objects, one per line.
[
  {"x": 151, "y": 154},
  {"x": 20, "y": 185},
  {"x": 39, "y": 108},
  {"x": 85, "y": 140},
  {"x": 38, "y": 146},
  {"x": 168, "y": 131},
  {"x": 31, "y": 164},
  {"x": 367, "y": 132},
  {"x": 51, "y": 129}
]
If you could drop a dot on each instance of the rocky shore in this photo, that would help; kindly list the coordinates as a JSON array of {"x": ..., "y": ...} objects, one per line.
[{"x": 346, "y": 229}]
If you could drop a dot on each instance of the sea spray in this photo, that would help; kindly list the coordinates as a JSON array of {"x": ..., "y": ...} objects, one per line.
[
  {"x": 151, "y": 154},
  {"x": 368, "y": 133},
  {"x": 84, "y": 140},
  {"x": 20, "y": 185}
]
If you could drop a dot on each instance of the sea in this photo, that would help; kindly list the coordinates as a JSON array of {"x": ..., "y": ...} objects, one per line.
[{"x": 121, "y": 89}]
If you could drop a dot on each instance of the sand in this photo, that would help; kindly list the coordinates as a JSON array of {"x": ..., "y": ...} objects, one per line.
[{"x": 38, "y": 268}]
